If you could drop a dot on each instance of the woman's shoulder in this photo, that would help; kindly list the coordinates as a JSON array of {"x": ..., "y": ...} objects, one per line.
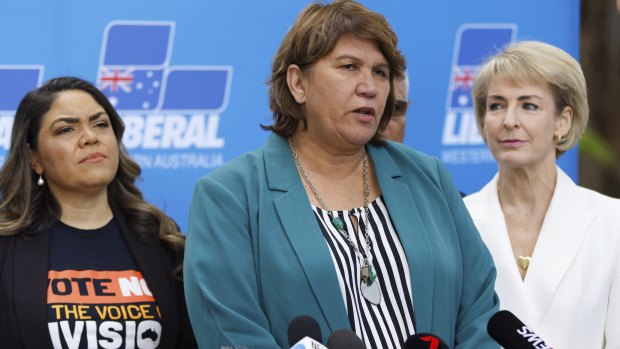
[
  {"x": 270, "y": 165},
  {"x": 241, "y": 167},
  {"x": 412, "y": 167},
  {"x": 404, "y": 150},
  {"x": 5, "y": 241},
  {"x": 600, "y": 202},
  {"x": 408, "y": 158},
  {"x": 484, "y": 196}
]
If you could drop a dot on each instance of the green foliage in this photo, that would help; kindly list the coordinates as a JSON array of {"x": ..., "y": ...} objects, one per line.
[{"x": 595, "y": 147}]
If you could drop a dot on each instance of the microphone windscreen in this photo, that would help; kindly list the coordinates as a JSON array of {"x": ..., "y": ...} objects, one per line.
[
  {"x": 511, "y": 333},
  {"x": 303, "y": 326},
  {"x": 425, "y": 341},
  {"x": 344, "y": 338}
]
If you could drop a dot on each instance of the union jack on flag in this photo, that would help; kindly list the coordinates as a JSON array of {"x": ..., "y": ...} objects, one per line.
[
  {"x": 115, "y": 78},
  {"x": 132, "y": 88},
  {"x": 463, "y": 78}
]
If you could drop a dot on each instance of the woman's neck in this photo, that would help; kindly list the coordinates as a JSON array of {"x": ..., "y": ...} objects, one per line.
[
  {"x": 336, "y": 174},
  {"x": 526, "y": 190},
  {"x": 324, "y": 159},
  {"x": 85, "y": 211}
]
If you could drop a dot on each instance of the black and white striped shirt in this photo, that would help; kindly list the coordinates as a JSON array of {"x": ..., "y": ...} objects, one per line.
[{"x": 390, "y": 323}]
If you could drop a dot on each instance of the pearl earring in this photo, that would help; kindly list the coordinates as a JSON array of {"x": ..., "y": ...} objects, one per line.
[{"x": 40, "y": 181}]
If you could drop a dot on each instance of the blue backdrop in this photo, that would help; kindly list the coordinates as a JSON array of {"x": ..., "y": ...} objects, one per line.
[{"x": 189, "y": 76}]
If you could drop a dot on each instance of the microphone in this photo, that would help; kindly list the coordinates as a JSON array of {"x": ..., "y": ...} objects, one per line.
[
  {"x": 308, "y": 343},
  {"x": 304, "y": 332},
  {"x": 507, "y": 330},
  {"x": 425, "y": 341},
  {"x": 345, "y": 339}
]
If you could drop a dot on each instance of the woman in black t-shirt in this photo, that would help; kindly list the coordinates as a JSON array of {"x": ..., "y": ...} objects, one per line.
[{"x": 84, "y": 260}]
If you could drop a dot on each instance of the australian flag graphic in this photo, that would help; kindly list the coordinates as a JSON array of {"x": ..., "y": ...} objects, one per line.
[
  {"x": 135, "y": 72},
  {"x": 15, "y": 82},
  {"x": 474, "y": 44}
]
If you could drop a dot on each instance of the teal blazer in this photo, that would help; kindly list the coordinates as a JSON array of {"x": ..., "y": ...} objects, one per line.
[{"x": 255, "y": 257}]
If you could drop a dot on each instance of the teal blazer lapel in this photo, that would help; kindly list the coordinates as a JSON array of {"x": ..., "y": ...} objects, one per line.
[
  {"x": 303, "y": 232},
  {"x": 406, "y": 218}
]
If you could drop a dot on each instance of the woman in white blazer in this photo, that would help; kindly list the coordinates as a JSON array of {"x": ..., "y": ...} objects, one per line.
[{"x": 556, "y": 245}]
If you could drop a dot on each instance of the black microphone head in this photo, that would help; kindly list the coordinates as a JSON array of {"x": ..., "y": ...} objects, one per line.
[
  {"x": 303, "y": 326},
  {"x": 507, "y": 330},
  {"x": 341, "y": 339},
  {"x": 425, "y": 341}
]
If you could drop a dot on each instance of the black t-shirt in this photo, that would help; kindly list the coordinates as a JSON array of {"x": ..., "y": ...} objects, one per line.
[{"x": 96, "y": 296}]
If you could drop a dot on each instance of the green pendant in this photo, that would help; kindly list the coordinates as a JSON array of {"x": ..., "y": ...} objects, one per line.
[
  {"x": 337, "y": 223},
  {"x": 372, "y": 275}
]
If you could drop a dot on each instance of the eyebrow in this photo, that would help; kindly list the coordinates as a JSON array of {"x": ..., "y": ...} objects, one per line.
[
  {"x": 520, "y": 98},
  {"x": 356, "y": 59},
  {"x": 526, "y": 97},
  {"x": 347, "y": 56},
  {"x": 70, "y": 120}
]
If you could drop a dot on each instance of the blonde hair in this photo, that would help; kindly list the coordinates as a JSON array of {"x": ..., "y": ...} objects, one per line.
[{"x": 537, "y": 61}]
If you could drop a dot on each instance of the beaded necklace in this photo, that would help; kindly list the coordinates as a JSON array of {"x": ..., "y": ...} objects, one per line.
[{"x": 369, "y": 288}]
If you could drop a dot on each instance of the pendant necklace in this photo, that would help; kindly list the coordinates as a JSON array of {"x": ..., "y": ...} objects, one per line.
[
  {"x": 369, "y": 287},
  {"x": 523, "y": 261}
]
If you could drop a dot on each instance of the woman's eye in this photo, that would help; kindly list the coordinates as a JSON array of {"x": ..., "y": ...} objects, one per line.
[
  {"x": 102, "y": 124},
  {"x": 63, "y": 130},
  {"x": 349, "y": 66},
  {"x": 530, "y": 106},
  {"x": 381, "y": 72},
  {"x": 495, "y": 106}
]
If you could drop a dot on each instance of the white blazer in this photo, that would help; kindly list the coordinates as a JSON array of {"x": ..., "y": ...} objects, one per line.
[{"x": 571, "y": 293}]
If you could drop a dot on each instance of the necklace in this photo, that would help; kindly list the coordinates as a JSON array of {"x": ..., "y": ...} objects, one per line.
[
  {"x": 523, "y": 261},
  {"x": 369, "y": 288}
]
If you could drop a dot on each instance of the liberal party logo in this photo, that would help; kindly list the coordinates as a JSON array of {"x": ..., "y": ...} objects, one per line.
[
  {"x": 473, "y": 45},
  {"x": 164, "y": 107}
]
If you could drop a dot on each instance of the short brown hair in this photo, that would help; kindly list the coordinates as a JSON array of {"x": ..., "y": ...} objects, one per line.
[
  {"x": 544, "y": 63},
  {"x": 313, "y": 35}
]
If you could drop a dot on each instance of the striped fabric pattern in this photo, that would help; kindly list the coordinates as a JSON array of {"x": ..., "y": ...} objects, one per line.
[{"x": 390, "y": 323}]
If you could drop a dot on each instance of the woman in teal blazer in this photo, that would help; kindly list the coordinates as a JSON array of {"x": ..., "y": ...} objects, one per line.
[{"x": 256, "y": 256}]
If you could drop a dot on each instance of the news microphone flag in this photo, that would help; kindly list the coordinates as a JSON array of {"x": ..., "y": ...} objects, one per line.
[
  {"x": 507, "y": 330},
  {"x": 308, "y": 343},
  {"x": 425, "y": 341}
]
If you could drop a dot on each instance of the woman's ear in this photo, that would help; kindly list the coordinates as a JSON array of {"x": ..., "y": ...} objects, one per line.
[
  {"x": 294, "y": 79},
  {"x": 34, "y": 160},
  {"x": 565, "y": 121}
]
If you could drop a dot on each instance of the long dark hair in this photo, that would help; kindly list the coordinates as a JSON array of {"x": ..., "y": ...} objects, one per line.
[{"x": 28, "y": 208}]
